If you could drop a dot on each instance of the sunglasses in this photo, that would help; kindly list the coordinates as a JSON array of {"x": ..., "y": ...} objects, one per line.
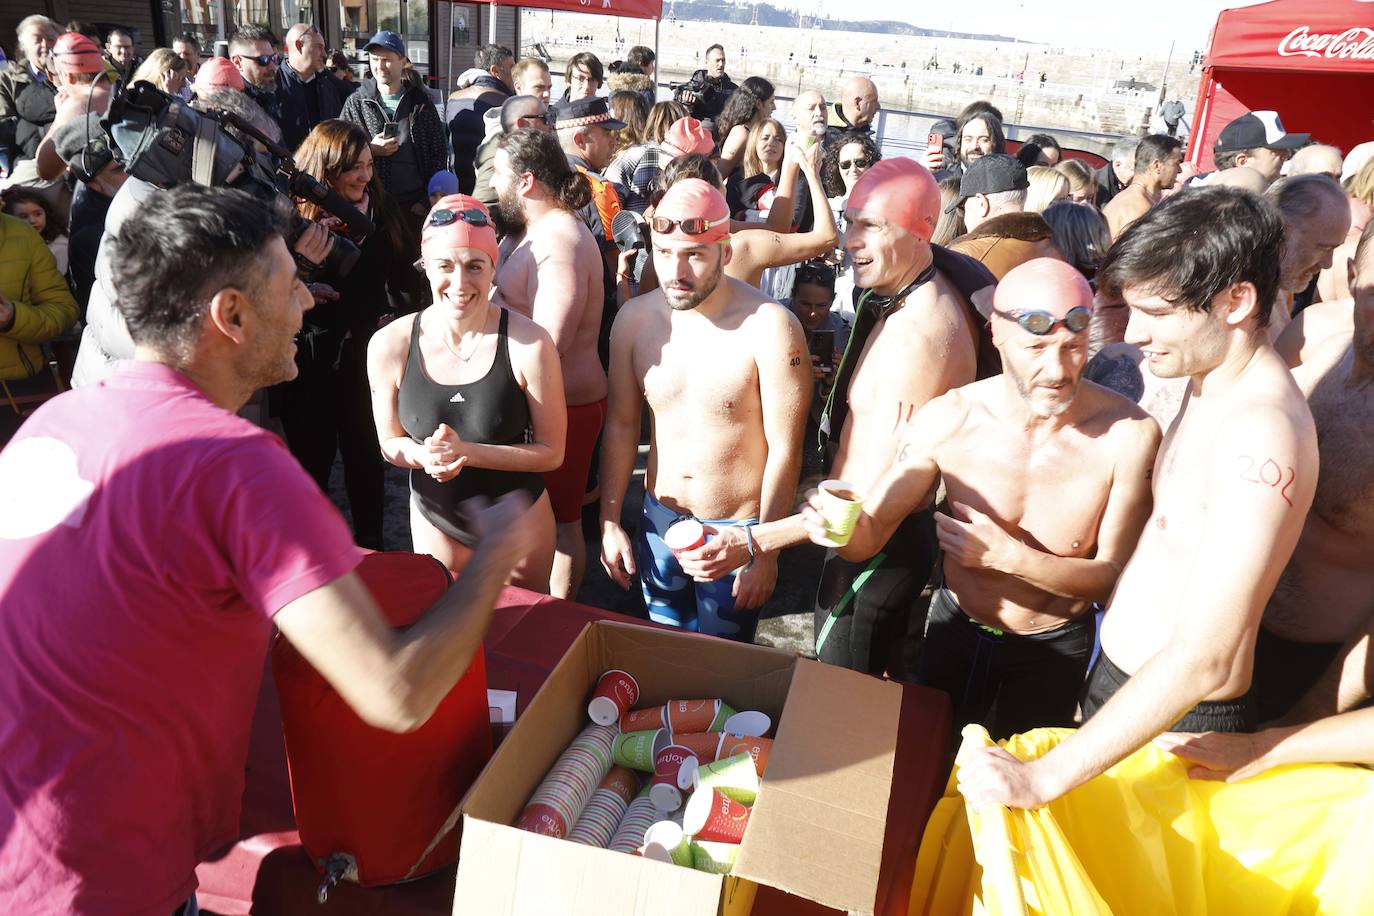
[
  {"x": 847, "y": 164},
  {"x": 692, "y": 225},
  {"x": 449, "y": 217},
  {"x": 262, "y": 60},
  {"x": 1042, "y": 323},
  {"x": 531, "y": 120}
]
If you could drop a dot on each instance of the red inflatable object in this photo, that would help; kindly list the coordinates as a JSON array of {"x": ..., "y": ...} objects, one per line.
[{"x": 373, "y": 806}]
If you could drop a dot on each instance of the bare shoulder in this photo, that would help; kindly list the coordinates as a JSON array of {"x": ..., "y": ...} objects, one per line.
[
  {"x": 1319, "y": 358},
  {"x": 946, "y": 416},
  {"x": 1311, "y": 328},
  {"x": 524, "y": 332},
  {"x": 392, "y": 340},
  {"x": 1114, "y": 411},
  {"x": 559, "y": 234},
  {"x": 638, "y": 312}
]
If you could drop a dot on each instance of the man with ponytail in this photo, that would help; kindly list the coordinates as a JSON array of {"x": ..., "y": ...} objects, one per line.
[{"x": 550, "y": 270}]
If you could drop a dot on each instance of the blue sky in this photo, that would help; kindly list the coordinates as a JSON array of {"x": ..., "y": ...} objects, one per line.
[{"x": 1148, "y": 25}]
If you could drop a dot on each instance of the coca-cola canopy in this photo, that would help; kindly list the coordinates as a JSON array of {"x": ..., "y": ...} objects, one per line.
[
  {"x": 633, "y": 9},
  {"x": 1330, "y": 35},
  {"x": 1312, "y": 61}
]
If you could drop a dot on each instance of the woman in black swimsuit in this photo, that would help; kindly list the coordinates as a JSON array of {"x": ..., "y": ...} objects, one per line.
[{"x": 468, "y": 395}]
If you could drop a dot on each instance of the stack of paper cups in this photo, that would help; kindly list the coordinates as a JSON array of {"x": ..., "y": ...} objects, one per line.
[
  {"x": 638, "y": 818},
  {"x": 558, "y": 801},
  {"x": 605, "y": 808}
]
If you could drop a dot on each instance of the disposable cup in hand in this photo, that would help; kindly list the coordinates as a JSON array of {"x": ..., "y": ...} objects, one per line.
[
  {"x": 615, "y": 693},
  {"x": 734, "y": 776},
  {"x": 686, "y": 534},
  {"x": 715, "y": 817},
  {"x": 841, "y": 504},
  {"x": 665, "y": 842}
]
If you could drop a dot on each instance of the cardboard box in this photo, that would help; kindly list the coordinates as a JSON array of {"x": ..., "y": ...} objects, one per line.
[{"x": 816, "y": 830}]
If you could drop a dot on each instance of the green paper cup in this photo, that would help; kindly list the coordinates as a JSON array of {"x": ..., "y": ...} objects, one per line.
[
  {"x": 636, "y": 750},
  {"x": 841, "y": 504},
  {"x": 723, "y": 715},
  {"x": 665, "y": 842},
  {"x": 734, "y": 776},
  {"x": 717, "y": 858}
]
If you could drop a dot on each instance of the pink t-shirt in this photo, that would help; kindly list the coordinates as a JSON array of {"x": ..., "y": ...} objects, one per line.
[{"x": 146, "y": 539}]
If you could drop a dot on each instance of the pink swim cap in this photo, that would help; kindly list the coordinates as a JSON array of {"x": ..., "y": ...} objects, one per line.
[
  {"x": 686, "y": 136},
  {"x": 900, "y": 191},
  {"x": 75, "y": 53},
  {"x": 446, "y": 229},
  {"x": 1043, "y": 285},
  {"x": 692, "y": 198},
  {"x": 217, "y": 73}
]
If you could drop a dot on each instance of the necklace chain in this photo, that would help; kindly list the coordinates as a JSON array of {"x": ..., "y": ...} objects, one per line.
[{"x": 443, "y": 338}]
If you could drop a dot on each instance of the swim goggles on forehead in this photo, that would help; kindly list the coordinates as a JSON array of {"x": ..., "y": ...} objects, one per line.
[
  {"x": 1042, "y": 323},
  {"x": 692, "y": 225},
  {"x": 472, "y": 217}
]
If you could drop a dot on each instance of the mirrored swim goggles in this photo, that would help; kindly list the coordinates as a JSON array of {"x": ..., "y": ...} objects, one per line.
[
  {"x": 1042, "y": 323},
  {"x": 472, "y": 217},
  {"x": 692, "y": 225}
]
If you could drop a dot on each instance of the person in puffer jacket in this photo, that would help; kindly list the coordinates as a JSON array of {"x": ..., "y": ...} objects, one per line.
[
  {"x": 35, "y": 303},
  {"x": 391, "y": 103}
]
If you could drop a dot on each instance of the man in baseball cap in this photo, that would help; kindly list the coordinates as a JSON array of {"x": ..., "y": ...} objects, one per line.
[
  {"x": 1000, "y": 234},
  {"x": 586, "y": 131},
  {"x": 725, "y": 374},
  {"x": 1257, "y": 140}
]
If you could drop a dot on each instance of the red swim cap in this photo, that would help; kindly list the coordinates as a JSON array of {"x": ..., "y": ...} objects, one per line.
[
  {"x": 693, "y": 198},
  {"x": 75, "y": 53},
  {"x": 900, "y": 191},
  {"x": 218, "y": 73},
  {"x": 1045, "y": 285},
  {"x": 445, "y": 229}
]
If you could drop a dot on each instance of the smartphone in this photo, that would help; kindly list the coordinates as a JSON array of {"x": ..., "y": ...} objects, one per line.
[
  {"x": 823, "y": 347},
  {"x": 389, "y": 131},
  {"x": 934, "y": 141}
]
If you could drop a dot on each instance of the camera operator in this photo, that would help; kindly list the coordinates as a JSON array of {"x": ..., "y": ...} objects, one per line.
[
  {"x": 105, "y": 338},
  {"x": 328, "y": 407},
  {"x": 708, "y": 90}
]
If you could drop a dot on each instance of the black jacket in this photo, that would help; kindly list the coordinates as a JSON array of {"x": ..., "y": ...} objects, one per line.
[
  {"x": 299, "y": 100},
  {"x": 27, "y": 109},
  {"x": 419, "y": 134},
  {"x": 711, "y": 94},
  {"x": 466, "y": 129}
]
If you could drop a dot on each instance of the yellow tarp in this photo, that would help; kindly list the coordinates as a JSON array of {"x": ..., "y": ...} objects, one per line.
[{"x": 1145, "y": 839}]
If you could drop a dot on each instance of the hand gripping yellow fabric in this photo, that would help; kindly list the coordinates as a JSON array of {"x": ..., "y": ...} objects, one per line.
[{"x": 1145, "y": 839}]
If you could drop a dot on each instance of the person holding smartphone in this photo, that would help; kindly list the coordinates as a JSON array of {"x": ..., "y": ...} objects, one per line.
[
  {"x": 813, "y": 294},
  {"x": 407, "y": 136}
]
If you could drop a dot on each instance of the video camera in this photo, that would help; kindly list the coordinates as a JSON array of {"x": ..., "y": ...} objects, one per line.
[{"x": 166, "y": 142}]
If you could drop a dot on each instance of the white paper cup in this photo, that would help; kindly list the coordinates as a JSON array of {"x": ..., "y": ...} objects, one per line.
[
  {"x": 841, "y": 512},
  {"x": 686, "y": 534},
  {"x": 748, "y": 724}
]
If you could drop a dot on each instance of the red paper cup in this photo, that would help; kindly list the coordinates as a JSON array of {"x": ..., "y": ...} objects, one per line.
[
  {"x": 663, "y": 788},
  {"x": 686, "y": 534},
  {"x": 715, "y": 818},
  {"x": 758, "y": 748},
  {"x": 543, "y": 819},
  {"x": 692, "y": 716},
  {"x": 644, "y": 720},
  {"x": 615, "y": 693}
]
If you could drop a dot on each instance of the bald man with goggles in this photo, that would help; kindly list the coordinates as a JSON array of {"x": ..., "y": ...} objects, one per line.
[{"x": 1048, "y": 484}]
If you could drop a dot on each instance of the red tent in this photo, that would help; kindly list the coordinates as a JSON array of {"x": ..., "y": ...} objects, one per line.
[{"x": 1312, "y": 61}]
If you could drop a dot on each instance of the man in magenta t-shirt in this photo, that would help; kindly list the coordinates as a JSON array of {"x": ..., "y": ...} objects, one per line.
[{"x": 149, "y": 539}]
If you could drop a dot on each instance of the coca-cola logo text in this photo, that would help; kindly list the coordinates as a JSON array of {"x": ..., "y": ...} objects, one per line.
[{"x": 1355, "y": 43}]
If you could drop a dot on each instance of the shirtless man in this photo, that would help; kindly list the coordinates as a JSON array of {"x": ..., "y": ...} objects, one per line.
[
  {"x": 1235, "y": 478},
  {"x": 726, "y": 377},
  {"x": 1316, "y": 217},
  {"x": 1327, "y": 591},
  {"x": 1048, "y": 482},
  {"x": 552, "y": 273},
  {"x": 1157, "y": 160},
  {"x": 913, "y": 340}
]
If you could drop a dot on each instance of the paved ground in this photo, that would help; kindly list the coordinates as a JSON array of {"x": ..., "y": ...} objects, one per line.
[{"x": 786, "y": 618}]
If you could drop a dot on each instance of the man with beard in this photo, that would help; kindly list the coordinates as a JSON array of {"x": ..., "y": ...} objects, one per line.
[
  {"x": 727, "y": 379},
  {"x": 1048, "y": 480},
  {"x": 977, "y": 133},
  {"x": 552, "y": 273},
  {"x": 1233, "y": 483},
  {"x": 253, "y": 49},
  {"x": 1157, "y": 160},
  {"x": 706, "y": 93},
  {"x": 198, "y": 532},
  {"x": 915, "y": 337}
]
